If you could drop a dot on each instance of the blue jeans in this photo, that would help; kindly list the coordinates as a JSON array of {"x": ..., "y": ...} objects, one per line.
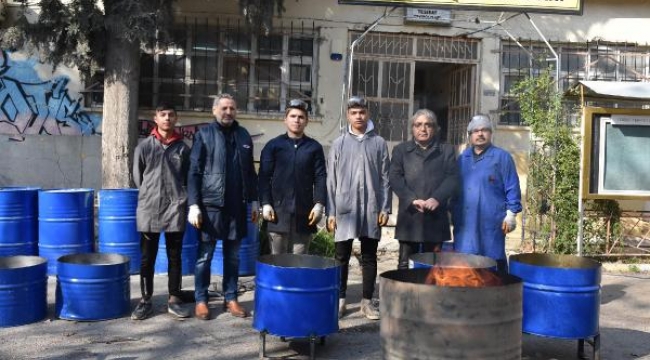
[{"x": 230, "y": 268}]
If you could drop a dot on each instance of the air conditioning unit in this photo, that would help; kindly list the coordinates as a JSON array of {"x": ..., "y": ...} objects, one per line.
[{"x": 428, "y": 15}]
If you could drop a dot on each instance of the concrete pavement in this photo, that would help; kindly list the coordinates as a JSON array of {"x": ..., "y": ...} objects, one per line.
[{"x": 624, "y": 321}]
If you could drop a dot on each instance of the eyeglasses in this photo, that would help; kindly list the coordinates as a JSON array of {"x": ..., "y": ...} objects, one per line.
[
  {"x": 298, "y": 104},
  {"x": 357, "y": 101}
]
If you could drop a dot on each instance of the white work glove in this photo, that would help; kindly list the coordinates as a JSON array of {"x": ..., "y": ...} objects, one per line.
[
  {"x": 194, "y": 216},
  {"x": 255, "y": 211},
  {"x": 268, "y": 213},
  {"x": 509, "y": 222},
  {"x": 316, "y": 214}
]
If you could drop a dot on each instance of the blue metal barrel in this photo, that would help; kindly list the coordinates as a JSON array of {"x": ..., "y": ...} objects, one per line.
[
  {"x": 118, "y": 230},
  {"x": 450, "y": 259},
  {"x": 23, "y": 290},
  {"x": 65, "y": 224},
  {"x": 296, "y": 295},
  {"x": 248, "y": 251},
  {"x": 18, "y": 221},
  {"x": 561, "y": 294},
  {"x": 188, "y": 254},
  {"x": 92, "y": 287}
]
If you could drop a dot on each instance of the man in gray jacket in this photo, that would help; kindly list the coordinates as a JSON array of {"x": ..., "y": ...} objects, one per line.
[
  {"x": 160, "y": 168},
  {"x": 359, "y": 198}
]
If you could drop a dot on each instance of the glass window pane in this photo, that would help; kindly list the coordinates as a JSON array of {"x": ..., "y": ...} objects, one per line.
[
  {"x": 171, "y": 66},
  {"x": 301, "y": 47},
  {"x": 205, "y": 39},
  {"x": 202, "y": 95},
  {"x": 365, "y": 76},
  {"x": 300, "y": 73},
  {"x": 171, "y": 92},
  {"x": 237, "y": 43},
  {"x": 267, "y": 97},
  {"x": 395, "y": 80},
  {"x": 270, "y": 45},
  {"x": 146, "y": 65},
  {"x": 268, "y": 70},
  {"x": 204, "y": 68}
]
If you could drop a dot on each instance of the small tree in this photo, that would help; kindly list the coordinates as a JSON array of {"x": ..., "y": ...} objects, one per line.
[{"x": 554, "y": 170}]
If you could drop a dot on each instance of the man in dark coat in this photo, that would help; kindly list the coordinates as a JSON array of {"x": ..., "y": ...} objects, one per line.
[
  {"x": 424, "y": 176},
  {"x": 221, "y": 182},
  {"x": 292, "y": 184}
]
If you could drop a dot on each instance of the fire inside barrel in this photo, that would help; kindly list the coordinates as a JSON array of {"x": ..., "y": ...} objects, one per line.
[{"x": 462, "y": 277}]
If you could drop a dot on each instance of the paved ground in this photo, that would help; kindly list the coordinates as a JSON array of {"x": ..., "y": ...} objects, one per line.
[{"x": 624, "y": 321}]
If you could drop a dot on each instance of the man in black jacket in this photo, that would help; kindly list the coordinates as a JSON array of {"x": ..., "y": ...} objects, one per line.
[
  {"x": 424, "y": 176},
  {"x": 221, "y": 182},
  {"x": 292, "y": 184}
]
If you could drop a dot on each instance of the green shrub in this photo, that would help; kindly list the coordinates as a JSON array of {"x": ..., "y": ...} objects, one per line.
[{"x": 322, "y": 244}]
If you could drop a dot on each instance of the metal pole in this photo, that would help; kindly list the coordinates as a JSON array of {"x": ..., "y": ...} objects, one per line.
[
  {"x": 581, "y": 206},
  {"x": 348, "y": 87}
]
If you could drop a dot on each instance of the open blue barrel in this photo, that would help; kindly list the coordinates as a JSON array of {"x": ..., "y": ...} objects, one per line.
[
  {"x": 92, "y": 287},
  {"x": 561, "y": 294},
  {"x": 450, "y": 259},
  {"x": 118, "y": 230},
  {"x": 188, "y": 254},
  {"x": 18, "y": 221},
  {"x": 248, "y": 251},
  {"x": 65, "y": 224},
  {"x": 296, "y": 295},
  {"x": 23, "y": 290}
]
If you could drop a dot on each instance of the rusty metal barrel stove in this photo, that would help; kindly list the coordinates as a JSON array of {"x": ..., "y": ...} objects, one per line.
[
  {"x": 425, "y": 321},
  {"x": 296, "y": 296},
  {"x": 92, "y": 287},
  {"x": 23, "y": 290},
  {"x": 561, "y": 297},
  {"x": 450, "y": 259}
]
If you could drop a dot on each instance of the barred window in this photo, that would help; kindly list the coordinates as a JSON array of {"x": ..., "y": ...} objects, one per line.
[
  {"x": 578, "y": 61},
  {"x": 209, "y": 57}
]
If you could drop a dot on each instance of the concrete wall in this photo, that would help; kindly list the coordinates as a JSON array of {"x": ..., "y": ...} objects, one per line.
[{"x": 51, "y": 161}]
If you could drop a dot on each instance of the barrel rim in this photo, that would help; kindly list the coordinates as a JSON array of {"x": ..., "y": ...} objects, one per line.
[
  {"x": 415, "y": 277},
  {"x": 473, "y": 261},
  {"x": 67, "y": 191},
  {"x": 556, "y": 261},
  {"x": 298, "y": 261},
  {"x": 93, "y": 259},
  {"x": 13, "y": 262}
]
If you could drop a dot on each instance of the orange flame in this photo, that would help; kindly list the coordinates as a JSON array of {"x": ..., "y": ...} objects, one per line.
[{"x": 461, "y": 277}]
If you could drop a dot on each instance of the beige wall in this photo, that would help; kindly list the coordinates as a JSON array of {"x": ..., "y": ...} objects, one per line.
[{"x": 619, "y": 21}]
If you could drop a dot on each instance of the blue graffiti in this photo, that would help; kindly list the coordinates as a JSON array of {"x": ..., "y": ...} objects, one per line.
[{"x": 31, "y": 105}]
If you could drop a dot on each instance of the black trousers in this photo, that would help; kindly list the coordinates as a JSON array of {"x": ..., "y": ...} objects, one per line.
[
  {"x": 368, "y": 264},
  {"x": 149, "y": 249},
  {"x": 408, "y": 248}
]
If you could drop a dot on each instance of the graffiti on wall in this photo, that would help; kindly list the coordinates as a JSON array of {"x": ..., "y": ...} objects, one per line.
[
  {"x": 32, "y": 105},
  {"x": 188, "y": 131}
]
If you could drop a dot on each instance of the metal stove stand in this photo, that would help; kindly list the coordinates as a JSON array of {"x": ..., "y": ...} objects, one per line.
[
  {"x": 312, "y": 344},
  {"x": 595, "y": 345}
]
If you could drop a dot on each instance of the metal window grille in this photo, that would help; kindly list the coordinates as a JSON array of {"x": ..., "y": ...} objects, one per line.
[
  {"x": 578, "y": 61},
  {"x": 207, "y": 57},
  {"x": 383, "y": 70}
]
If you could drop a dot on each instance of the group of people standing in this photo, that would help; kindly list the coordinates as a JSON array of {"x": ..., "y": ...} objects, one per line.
[{"x": 297, "y": 187}]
